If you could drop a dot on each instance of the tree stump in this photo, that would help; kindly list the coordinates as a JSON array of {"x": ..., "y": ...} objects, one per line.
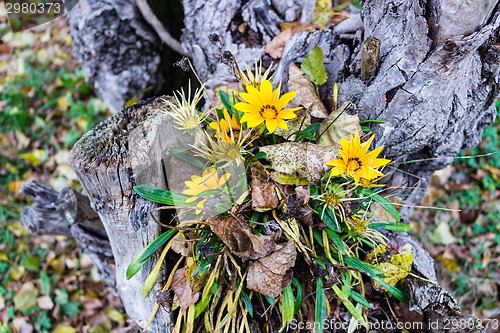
[{"x": 109, "y": 160}]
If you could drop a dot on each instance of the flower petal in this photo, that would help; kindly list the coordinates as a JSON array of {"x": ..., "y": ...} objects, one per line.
[
  {"x": 282, "y": 124},
  {"x": 378, "y": 162},
  {"x": 285, "y": 99},
  {"x": 271, "y": 125},
  {"x": 245, "y": 107},
  {"x": 337, "y": 171},
  {"x": 287, "y": 114},
  {"x": 266, "y": 92}
]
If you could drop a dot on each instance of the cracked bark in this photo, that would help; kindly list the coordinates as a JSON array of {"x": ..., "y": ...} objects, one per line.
[{"x": 109, "y": 160}]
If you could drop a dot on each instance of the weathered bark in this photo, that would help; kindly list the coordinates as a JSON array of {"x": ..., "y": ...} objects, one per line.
[
  {"x": 121, "y": 152},
  {"x": 120, "y": 54},
  {"x": 69, "y": 214},
  {"x": 435, "y": 96}
]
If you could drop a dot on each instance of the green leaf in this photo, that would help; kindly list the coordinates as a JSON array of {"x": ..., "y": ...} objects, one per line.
[
  {"x": 320, "y": 311},
  {"x": 336, "y": 240},
  {"x": 386, "y": 204},
  {"x": 300, "y": 295},
  {"x": 147, "y": 252},
  {"x": 399, "y": 227},
  {"x": 400, "y": 295},
  {"x": 329, "y": 219},
  {"x": 188, "y": 158},
  {"x": 201, "y": 306},
  {"x": 360, "y": 299},
  {"x": 313, "y": 128},
  {"x": 304, "y": 135},
  {"x": 358, "y": 264},
  {"x": 288, "y": 304},
  {"x": 247, "y": 302},
  {"x": 313, "y": 67},
  {"x": 159, "y": 195},
  {"x": 45, "y": 283},
  {"x": 355, "y": 313},
  {"x": 309, "y": 133},
  {"x": 260, "y": 155},
  {"x": 226, "y": 101},
  {"x": 270, "y": 300},
  {"x": 153, "y": 276}
]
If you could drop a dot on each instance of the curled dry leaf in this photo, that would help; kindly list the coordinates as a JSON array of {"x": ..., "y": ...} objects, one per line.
[
  {"x": 266, "y": 275},
  {"x": 338, "y": 124},
  {"x": 240, "y": 238},
  {"x": 263, "y": 192},
  {"x": 306, "y": 160},
  {"x": 182, "y": 289},
  {"x": 395, "y": 259}
]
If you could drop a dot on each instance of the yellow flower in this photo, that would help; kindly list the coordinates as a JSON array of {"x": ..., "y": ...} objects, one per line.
[
  {"x": 184, "y": 112},
  {"x": 209, "y": 180},
  {"x": 228, "y": 127},
  {"x": 356, "y": 162},
  {"x": 253, "y": 79},
  {"x": 222, "y": 152},
  {"x": 265, "y": 105}
]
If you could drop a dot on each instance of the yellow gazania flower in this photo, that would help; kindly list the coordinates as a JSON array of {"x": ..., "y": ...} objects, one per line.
[
  {"x": 209, "y": 180},
  {"x": 265, "y": 105},
  {"x": 356, "y": 162},
  {"x": 227, "y": 126},
  {"x": 252, "y": 79}
]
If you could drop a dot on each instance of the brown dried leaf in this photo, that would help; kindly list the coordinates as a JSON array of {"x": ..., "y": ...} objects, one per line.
[
  {"x": 181, "y": 246},
  {"x": 305, "y": 159},
  {"x": 338, "y": 124},
  {"x": 276, "y": 46},
  {"x": 263, "y": 193},
  {"x": 266, "y": 275},
  {"x": 182, "y": 289},
  {"x": 240, "y": 238},
  {"x": 298, "y": 205},
  {"x": 306, "y": 93}
]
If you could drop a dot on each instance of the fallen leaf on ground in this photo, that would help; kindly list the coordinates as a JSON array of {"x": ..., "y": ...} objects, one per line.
[
  {"x": 284, "y": 179},
  {"x": 338, "y": 124},
  {"x": 305, "y": 159},
  {"x": 181, "y": 246},
  {"x": 395, "y": 259},
  {"x": 182, "y": 289},
  {"x": 443, "y": 235},
  {"x": 263, "y": 193},
  {"x": 26, "y": 297},
  {"x": 265, "y": 275},
  {"x": 45, "y": 302},
  {"x": 277, "y": 44}
]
